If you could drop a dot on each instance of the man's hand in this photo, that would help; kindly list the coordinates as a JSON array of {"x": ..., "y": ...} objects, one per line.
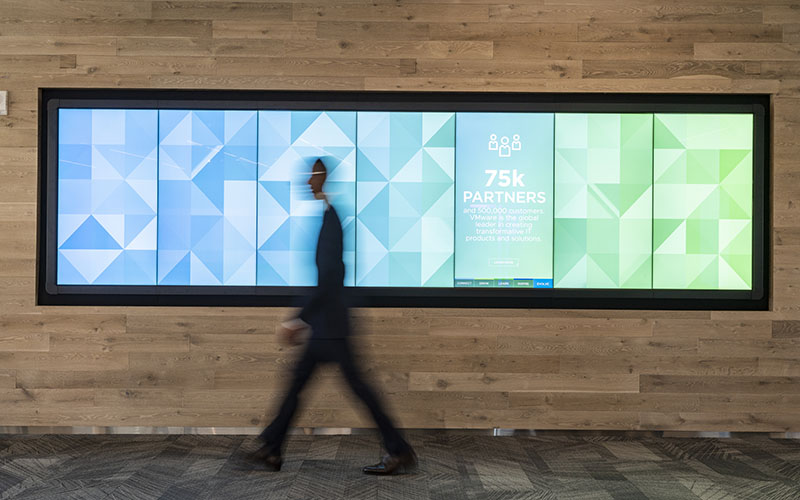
[{"x": 292, "y": 332}]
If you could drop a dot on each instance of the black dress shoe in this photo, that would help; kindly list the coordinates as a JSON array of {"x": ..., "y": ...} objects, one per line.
[
  {"x": 393, "y": 464},
  {"x": 267, "y": 456}
]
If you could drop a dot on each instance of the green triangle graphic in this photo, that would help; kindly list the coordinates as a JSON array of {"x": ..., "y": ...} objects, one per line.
[
  {"x": 708, "y": 277},
  {"x": 662, "y": 229},
  {"x": 663, "y": 137},
  {"x": 641, "y": 278},
  {"x": 729, "y": 159}
]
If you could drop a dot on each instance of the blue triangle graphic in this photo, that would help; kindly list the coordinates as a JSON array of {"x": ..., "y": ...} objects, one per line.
[{"x": 90, "y": 235}]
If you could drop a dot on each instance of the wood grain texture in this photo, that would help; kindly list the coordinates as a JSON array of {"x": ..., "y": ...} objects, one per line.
[{"x": 546, "y": 369}]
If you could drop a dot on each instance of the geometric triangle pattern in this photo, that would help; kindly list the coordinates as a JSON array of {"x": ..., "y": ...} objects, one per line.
[
  {"x": 405, "y": 198},
  {"x": 107, "y": 197},
  {"x": 603, "y": 200},
  {"x": 289, "y": 217},
  {"x": 207, "y": 197},
  {"x": 703, "y": 196}
]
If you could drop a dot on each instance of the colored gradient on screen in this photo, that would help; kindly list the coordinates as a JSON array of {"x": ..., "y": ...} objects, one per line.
[
  {"x": 703, "y": 201},
  {"x": 107, "y": 197},
  {"x": 405, "y": 199},
  {"x": 603, "y": 196},
  {"x": 571, "y": 200}
]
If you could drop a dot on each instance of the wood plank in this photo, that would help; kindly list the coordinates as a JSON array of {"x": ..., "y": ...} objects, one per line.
[
  {"x": 248, "y": 362},
  {"x": 77, "y": 26},
  {"x": 8, "y": 379},
  {"x": 669, "y": 69},
  {"x": 259, "y": 82},
  {"x": 43, "y": 378},
  {"x": 65, "y": 361},
  {"x": 139, "y": 398},
  {"x": 786, "y": 329},
  {"x": 155, "y": 46},
  {"x": 144, "y": 65},
  {"x": 264, "y": 29},
  {"x": 613, "y": 12},
  {"x": 14, "y": 212},
  {"x": 11, "y": 342},
  {"x": 660, "y": 365},
  {"x": 552, "y": 328},
  {"x": 29, "y": 63},
  {"x": 713, "y": 329},
  {"x": 680, "y": 32},
  {"x": 499, "y": 69},
  {"x": 414, "y": 12},
  {"x": 118, "y": 342},
  {"x": 748, "y": 347},
  {"x": 374, "y": 31},
  {"x": 786, "y": 236},
  {"x": 747, "y": 51},
  {"x": 653, "y": 402},
  {"x": 16, "y": 398},
  {"x": 279, "y": 380},
  {"x": 732, "y": 422},
  {"x": 234, "y": 342},
  {"x": 327, "y": 67},
  {"x": 250, "y": 323},
  {"x": 37, "y": 10},
  {"x": 781, "y": 14},
  {"x": 542, "y": 420},
  {"x": 16, "y": 294},
  {"x": 602, "y": 346},
  {"x": 354, "y": 49},
  {"x": 277, "y": 11},
  {"x": 700, "y": 85},
  {"x": 784, "y": 367},
  {"x": 87, "y": 45},
  {"x": 508, "y": 382},
  {"x": 720, "y": 384},
  {"x": 462, "y": 362},
  {"x": 496, "y": 32},
  {"x": 613, "y": 51}
]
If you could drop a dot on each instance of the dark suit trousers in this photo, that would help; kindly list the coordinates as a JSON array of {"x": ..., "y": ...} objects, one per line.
[{"x": 331, "y": 351}]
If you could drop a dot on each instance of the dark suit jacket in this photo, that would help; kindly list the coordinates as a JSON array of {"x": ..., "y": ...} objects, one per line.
[{"x": 326, "y": 309}]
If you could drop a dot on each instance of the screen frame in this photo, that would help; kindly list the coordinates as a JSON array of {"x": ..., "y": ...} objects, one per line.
[{"x": 51, "y": 100}]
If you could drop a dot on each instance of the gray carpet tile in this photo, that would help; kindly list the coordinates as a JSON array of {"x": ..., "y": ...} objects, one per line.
[{"x": 452, "y": 465}]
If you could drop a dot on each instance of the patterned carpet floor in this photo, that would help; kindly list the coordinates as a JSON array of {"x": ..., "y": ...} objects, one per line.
[{"x": 452, "y": 465}]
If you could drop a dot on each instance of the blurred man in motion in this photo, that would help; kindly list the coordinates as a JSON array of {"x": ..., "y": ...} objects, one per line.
[{"x": 327, "y": 316}]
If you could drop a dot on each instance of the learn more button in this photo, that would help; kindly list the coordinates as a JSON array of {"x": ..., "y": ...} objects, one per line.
[{"x": 504, "y": 262}]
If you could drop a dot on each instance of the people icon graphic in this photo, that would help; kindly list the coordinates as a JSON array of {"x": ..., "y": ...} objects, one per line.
[
  {"x": 515, "y": 144},
  {"x": 493, "y": 142},
  {"x": 505, "y": 149}
]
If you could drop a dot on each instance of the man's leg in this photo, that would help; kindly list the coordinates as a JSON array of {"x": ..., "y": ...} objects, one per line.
[
  {"x": 275, "y": 432},
  {"x": 392, "y": 440}
]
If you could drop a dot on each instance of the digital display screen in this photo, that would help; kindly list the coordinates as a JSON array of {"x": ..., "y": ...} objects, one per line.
[{"x": 199, "y": 197}]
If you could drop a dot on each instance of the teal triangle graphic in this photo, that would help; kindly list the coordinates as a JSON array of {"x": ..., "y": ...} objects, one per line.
[
  {"x": 444, "y": 137},
  {"x": 443, "y": 277}
]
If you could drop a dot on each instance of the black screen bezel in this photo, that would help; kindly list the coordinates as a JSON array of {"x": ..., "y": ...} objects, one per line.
[{"x": 51, "y": 100}]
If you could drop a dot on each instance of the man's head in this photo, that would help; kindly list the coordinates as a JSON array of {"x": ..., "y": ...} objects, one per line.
[{"x": 317, "y": 178}]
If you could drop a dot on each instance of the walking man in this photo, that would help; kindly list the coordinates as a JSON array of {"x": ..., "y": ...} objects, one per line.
[{"x": 327, "y": 316}]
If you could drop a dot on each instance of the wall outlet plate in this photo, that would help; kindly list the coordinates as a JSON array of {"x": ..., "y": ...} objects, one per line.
[{"x": 3, "y": 102}]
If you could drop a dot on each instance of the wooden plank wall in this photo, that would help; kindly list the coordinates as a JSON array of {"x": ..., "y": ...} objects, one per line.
[{"x": 542, "y": 369}]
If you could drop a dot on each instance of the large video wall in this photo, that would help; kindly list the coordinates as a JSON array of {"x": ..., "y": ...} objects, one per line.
[{"x": 427, "y": 199}]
